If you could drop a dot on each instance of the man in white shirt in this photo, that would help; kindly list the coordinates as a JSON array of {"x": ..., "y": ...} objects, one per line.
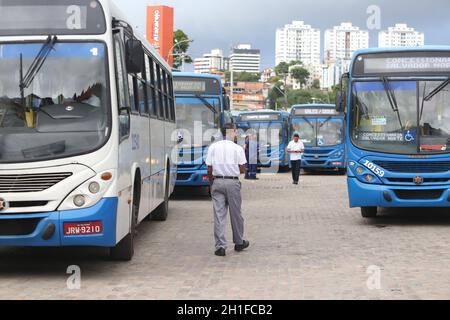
[
  {"x": 296, "y": 148},
  {"x": 226, "y": 162}
]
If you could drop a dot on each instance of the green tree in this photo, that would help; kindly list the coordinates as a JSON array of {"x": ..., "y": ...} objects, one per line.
[
  {"x": 316, "y": 84},
  {"x": 243, "y": 76},
  {"x": 301, "y": 75},
  {"x": 277, "y": 93},
  {"x": 282, "y": 69},
  {"x": 181, "y": 46},
  {"x": 274, "y": 79}
]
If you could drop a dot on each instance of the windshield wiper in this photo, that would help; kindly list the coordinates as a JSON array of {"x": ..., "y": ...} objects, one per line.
[
  {"x": 433, "y": 93},
  {"x": 326, "y": 121},
  {"x": 392, "y": 99},
  {"x": 309, "y": 122},
  {"x": 27, "y": 79},
  {"x": 206, "y": 103}
]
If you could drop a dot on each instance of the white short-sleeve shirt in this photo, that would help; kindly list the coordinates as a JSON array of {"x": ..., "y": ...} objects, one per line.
[
  {"x": 225, "y": 157},
  {"x": 296, "y": 146}
]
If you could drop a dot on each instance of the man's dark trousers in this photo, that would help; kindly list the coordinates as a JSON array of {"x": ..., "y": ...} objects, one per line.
[{"x": 296, "y": 167}]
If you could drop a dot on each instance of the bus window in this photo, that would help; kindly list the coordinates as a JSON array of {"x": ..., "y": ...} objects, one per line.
[
  {"x": 122, "y": 94},
  {"x": 132, "y": 92},
  {"x": 171, "y": 99},
  {"x": 160, "y": 103},
  {"x": 141, "y": 97},
  {"x": 151, "y": 88},
  {"x": 165, "y": 95}
]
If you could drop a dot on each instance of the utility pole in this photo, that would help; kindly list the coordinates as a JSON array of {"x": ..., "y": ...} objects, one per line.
[{"x": 231, "y": 85}]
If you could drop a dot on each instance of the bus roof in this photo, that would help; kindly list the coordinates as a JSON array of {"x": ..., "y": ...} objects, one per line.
[
  {"x": 196, "y": 75},
  {"x": 264, "y": 112},
  {"x": 315, "y": 106},
  {"x": 401, "y": 49}
]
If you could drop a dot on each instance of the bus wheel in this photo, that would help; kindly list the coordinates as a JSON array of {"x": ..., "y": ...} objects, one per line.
[
  {"x": 162, "y": 211},
  {"x": 124, "y": 250},
  {"x": 369, "y": 212}
]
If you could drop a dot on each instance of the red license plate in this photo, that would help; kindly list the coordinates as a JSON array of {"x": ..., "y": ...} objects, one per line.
[{"x": 83, "y": 228}]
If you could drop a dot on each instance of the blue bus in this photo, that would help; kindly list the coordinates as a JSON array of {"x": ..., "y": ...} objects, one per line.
[
  {"x": 321, "y": 129},
  {"x": 202, "y": 107},
  {"x": 398, "y": 128},
  {"x": 272, "y": 129}
]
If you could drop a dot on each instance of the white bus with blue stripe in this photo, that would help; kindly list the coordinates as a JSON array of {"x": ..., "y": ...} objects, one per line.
[{"x": 86, "y": 121}]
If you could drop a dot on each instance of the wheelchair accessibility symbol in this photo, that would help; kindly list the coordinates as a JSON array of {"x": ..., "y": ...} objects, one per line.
[{"x": 410, "y": 136}]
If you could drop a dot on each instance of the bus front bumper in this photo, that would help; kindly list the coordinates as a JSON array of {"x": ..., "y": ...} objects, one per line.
[
  {"x": 192, "y": 178},
  {"x": 368, "y": 195},
  {"x": 326, "y": 164},
  {"x": 47, "y": 229}
]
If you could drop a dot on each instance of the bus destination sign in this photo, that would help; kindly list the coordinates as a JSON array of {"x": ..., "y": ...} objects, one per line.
[{"x": 415, "y": 63}]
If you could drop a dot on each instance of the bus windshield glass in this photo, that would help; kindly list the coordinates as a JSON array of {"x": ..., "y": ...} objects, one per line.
[
  {"x": 323, "y": 132},
  {"x": 401, "y": 117},
  {"x": 62, "y": 110},
  {"x": 195, "y": 116},
  {"x": 267, "y": 133}
]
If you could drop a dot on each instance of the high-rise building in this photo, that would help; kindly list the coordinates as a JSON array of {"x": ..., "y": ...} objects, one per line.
[
  {"x": 343, "y": 40},
  {"x": 210, "y": 62},
  {"x": 400, "y": 36},
  {"x": 298, "y": 41},
  {"x": 245, "y": 59}
]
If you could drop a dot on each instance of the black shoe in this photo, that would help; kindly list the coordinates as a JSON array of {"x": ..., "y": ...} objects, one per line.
[
  {"x": 221, "y": 252},
  {"x": 242, "y": 247},
  {"x": 296, "y": 183}
]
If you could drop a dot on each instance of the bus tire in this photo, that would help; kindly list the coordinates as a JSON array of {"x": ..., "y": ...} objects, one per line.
[
  {"x": 124, "y": 250},
  {"x": 369, "y": 212},
  {"x": 162, "y": 211}
]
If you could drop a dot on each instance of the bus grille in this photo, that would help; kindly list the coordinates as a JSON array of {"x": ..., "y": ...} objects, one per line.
[
  {"x": 414, "y": 167},
  {"x": 30, "y": 182},
  {"x": 18, "y": 227},
  {"x": 419, "y": 194}
]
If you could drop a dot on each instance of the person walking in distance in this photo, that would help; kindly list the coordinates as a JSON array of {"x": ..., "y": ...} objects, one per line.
[
  {"x": 226, "y": 162},
  {"x": 295, "y": 149},
  {"x": 251, "y": 154}
]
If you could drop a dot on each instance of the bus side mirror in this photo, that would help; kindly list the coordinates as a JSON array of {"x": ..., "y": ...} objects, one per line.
[
  {"x": 227, "y": 104},
  {"x": 340, "y": 102},
  {"x": 134, "y": 56},
  {"x": 341, "y": 97}
]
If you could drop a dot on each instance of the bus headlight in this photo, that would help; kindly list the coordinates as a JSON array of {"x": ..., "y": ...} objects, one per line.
[
  {"x": 360, "y": 170},
  {"x": 89, "y": 193},
  {"x": 94, "y": 187},
  {"x": 79, "y": 201}
]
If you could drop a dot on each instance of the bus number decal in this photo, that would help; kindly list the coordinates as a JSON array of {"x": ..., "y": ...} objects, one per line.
[{"x": 374, "y": 168}]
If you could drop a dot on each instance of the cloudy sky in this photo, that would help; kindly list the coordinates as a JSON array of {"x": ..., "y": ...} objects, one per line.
[{"x": 222, "y": 23}]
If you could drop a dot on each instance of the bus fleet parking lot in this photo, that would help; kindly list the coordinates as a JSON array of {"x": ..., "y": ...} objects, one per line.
[{"x": 306, "y": 244}]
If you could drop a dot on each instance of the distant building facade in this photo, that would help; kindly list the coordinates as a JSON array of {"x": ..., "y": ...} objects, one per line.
[
  {"x": 400, "y": 36},
  {"x": 243, "y": 58}
]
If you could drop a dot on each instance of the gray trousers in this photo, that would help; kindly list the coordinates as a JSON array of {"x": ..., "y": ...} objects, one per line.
[{"x": 226, "y": 194}]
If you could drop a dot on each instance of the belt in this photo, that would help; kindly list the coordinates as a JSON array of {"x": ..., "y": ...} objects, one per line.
[{"x": 227, "y": 178}]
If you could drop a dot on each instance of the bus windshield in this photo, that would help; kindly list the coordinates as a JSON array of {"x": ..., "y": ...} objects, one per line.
[
  {"x": 268, "y": 133},
  {"x": 323, "y": 132},
  {"x": 194, "y": 115},
  {"x": 62, "y": 111},
  {"x": 401, "y": 117}
]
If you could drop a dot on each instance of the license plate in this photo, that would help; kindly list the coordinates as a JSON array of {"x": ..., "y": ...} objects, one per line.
[{"x": 83, "y": 228}]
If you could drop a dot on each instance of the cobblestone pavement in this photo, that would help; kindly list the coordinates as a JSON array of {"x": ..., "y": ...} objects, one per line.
[{"x": 306, "y": 244}]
